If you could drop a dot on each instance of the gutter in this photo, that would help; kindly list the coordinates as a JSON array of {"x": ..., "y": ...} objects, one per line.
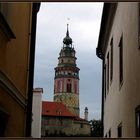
[
  {"x": 109, "y": 10},
  {"x": 35, "y": 9}
]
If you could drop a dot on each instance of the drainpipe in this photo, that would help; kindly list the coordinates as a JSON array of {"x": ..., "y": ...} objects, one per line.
[
  {"x": 102, "y": 111},
  {"x": 35, "y": 9}
]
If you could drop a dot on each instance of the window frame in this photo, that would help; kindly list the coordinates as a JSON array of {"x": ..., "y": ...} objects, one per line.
[
  {"x": 119, "y": 130},
  {"x": 111, "y": 60},
  {"x": 107, "y": 73},
  {"x": 105, "y": 81},
  {"x": 137, "y": 129},
  {"x": 121, "y": 75},
  {"x": 139, "y": 25}
]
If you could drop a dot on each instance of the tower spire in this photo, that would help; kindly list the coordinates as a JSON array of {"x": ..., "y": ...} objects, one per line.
[
  {"x": 86, "y": 113},
  {"x": 67, "y": 34},
  {"x": 67, "y": 40}
]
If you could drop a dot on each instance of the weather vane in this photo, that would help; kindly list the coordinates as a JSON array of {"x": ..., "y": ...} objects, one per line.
[{"x": 68, "y": 20}]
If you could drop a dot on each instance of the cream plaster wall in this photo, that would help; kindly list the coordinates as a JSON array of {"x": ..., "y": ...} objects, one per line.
[{"x": 120, "y": 103}]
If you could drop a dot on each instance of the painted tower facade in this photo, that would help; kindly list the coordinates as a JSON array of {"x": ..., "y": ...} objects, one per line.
[{"x": 66, "y": 81}]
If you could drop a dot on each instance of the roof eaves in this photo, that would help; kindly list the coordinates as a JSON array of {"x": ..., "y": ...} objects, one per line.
[{"x": 108, "y": 13}]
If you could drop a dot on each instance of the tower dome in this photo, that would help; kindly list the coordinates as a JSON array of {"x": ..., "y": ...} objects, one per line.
[{"x": 67, "y": 40}]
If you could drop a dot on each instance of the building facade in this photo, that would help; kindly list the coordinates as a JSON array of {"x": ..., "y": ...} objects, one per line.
[
  {"x": 17, "y": 41},
  {"x": 119, "y": 49},
  {"x": 37, "y": 112},
  {"x": 66, "y": 83},
  {"x": 57, "y": 120}
]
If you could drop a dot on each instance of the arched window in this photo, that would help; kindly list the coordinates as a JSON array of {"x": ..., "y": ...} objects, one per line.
[{"x": 69, "y": 85}]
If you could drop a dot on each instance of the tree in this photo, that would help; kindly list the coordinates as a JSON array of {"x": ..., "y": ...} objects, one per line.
[{"x": 96, "y": 128}]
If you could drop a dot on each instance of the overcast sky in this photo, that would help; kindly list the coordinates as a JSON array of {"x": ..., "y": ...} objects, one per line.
[{"x": 84, "y": 26}]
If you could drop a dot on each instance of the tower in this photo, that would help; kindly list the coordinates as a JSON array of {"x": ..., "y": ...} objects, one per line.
[
  {"x": 86, "y": 113},
  {"x": 66, "y": 81}
]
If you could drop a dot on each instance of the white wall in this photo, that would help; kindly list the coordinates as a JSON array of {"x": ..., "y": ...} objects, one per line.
[{"x": 37, "y": 111}]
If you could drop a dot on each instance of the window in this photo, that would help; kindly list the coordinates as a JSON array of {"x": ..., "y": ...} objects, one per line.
[
  {"x": 3, "y": 121},
  {"x": 69, "y": 73},
  {"x": 5, "y": 9},
  {"x": 139, "y": 25},
  {"x": 120, "y": 130},
  {"x": 137, "y": 121},
  {"x": 46, "y": 133},
  {"x": 111, "y": 60},
  {"x": 107, "y": 72},
  {"x": 75, "y": 87},
  {"x": 121, "y": 60},
  {"x": 68, "y": 85},
  {"x": 81, "y": 125},
  {"x": 105, "y": 81},
  {"x": 109, "y": 133},
  {"x": 58, "y": 86}
]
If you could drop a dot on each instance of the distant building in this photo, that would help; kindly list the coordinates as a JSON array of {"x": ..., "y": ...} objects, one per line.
[
  {"x": 17, "y": 45},
  {"x": 119, "y": 49},
  {"x": 66, "y": 97},
  {"x": 86, "y": 113},
  {"x": 57, "y": 120},
  {"x": 37, "y": 112}
]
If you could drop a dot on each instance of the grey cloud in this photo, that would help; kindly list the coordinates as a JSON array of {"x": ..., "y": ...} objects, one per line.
[{"x": 51, "y": 29}]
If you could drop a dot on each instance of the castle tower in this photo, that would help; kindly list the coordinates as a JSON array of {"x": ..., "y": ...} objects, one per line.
[
  {"x": 66, "y": 81},
  {"x": 86, "y": 113}
]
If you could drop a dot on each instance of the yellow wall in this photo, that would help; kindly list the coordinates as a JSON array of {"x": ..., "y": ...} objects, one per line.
[{"x": 14, "y": 57}]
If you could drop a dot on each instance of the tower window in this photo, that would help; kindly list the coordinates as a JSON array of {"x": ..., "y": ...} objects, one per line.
[
  {"x": 59, "y": 86},
  {"x": 69, "y": 73},
  {"x": 68, "y": 87}
]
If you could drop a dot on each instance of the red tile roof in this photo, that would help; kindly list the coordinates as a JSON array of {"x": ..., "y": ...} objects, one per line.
[{"x": 55, "y": 109}]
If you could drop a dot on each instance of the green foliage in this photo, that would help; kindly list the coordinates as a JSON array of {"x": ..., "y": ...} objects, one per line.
[{"x": 96, "y": 128}]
